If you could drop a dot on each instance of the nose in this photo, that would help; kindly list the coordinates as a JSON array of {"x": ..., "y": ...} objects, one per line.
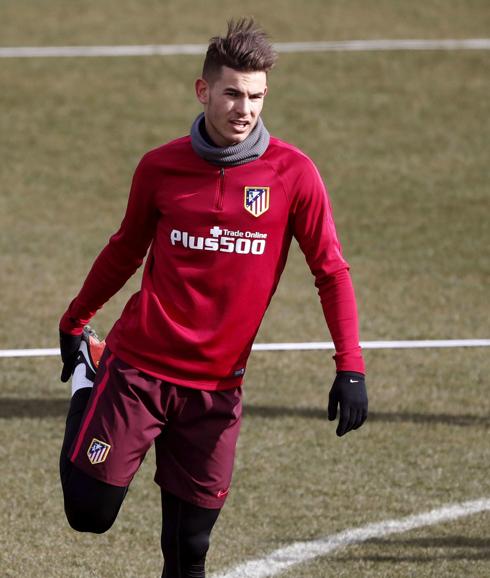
[{"x": 243, "y": 106}]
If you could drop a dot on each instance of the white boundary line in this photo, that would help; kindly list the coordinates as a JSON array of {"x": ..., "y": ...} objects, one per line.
[
  {"x": 299, "y": 552},
  {"x": 8, "y": 353},
  {"x": 311, "y": 346},
  {"x": 425, "y": 344},
  {"x": 286, "y": 47}
]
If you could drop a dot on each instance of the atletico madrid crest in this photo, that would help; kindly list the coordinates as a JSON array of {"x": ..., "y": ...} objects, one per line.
[
  {"x": 98, "y": 451},
  {"x": 256, "y": 200}
]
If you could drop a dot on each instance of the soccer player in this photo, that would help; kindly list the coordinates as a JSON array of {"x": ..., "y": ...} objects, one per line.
[{"x": 216, "y": 212}]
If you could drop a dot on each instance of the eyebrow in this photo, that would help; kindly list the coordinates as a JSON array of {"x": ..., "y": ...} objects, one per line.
[{"x": 237, "y": 90}]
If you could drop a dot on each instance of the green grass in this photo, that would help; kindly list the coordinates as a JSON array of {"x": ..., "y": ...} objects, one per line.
[
  {"x": 401, "y": 139},
  {"x": 59, "y": 22},
  {"x": 423, "y": 447}
]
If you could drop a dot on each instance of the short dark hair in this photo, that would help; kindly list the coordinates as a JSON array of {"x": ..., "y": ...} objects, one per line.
[{"x": 245, "y": 47}]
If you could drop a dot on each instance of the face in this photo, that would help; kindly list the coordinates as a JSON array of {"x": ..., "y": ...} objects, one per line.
[{"x": 232, "y": 104}]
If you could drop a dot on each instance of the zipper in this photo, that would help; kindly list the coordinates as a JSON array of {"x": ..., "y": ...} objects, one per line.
[{"x": 220, "y": 191}]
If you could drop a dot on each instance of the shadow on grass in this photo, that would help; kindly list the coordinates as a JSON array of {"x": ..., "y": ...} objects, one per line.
[
  {"x": 462, "y": 548},
  {"x": 56, "y": 407},
  {"x": 435, "y": 542},
  {"x": 374, "y": 416},
  {"x": 32, "y": 408}
]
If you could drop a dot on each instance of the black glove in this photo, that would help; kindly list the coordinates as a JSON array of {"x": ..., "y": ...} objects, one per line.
[
  {"x": 348, "y": 391},
  {"x": 69, "y": 345}
]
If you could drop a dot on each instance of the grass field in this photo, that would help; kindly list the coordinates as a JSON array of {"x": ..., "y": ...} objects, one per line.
[{"x": 402, "y": 141}]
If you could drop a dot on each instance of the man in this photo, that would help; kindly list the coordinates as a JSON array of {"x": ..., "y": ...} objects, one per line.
[{"x": 217, "y": 211}]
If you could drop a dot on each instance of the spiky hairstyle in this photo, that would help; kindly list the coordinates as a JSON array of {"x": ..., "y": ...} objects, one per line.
[{"x": 245, "y": 47}]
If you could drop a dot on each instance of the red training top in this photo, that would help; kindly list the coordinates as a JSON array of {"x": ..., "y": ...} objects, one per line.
[{"x": 219, "y": 240}]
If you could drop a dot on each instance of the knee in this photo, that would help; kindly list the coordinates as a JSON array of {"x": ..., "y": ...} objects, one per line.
[
  {"x": 89, "y": 520},
  {"x": 185, "y": 550},
  {"x": 195, "y": 546},
  {"x": 91, "y": 505}
]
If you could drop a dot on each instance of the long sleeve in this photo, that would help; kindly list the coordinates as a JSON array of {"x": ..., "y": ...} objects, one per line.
[
  {"x": 314, "y": 228},
  {"x": 121, "y": 257}
]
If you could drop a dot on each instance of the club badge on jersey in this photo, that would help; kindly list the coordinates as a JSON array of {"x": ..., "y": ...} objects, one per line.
[
  {"x": 98, "y": 451},
  {"x": 256, "y": 200}
]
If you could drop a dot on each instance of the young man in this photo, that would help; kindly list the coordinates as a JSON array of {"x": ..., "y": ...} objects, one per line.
[{"x": 217, "y": 211}]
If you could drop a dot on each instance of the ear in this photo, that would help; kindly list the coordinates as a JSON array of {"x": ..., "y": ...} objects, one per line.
[{"x": 202, "y": 90}]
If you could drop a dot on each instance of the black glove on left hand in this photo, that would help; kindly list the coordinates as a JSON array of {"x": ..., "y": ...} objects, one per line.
[
  {"x": 348, "y": 391},
  {"x": 69, "y": 345}
]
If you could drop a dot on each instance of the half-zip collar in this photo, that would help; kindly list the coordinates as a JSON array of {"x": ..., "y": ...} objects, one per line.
[{"x": 220, "y": 191}]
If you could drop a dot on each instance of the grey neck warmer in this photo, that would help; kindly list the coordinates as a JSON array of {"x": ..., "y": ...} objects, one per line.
[{"x": 253, "y": 147}]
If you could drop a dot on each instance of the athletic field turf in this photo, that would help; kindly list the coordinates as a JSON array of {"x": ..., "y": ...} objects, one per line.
[{"x": 401, "y": 138}]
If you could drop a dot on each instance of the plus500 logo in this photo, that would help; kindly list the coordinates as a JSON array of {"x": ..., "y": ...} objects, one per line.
[{"x": 222, "y": 240}]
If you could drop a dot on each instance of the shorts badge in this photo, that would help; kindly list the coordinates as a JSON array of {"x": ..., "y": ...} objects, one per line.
[
  {"x": 98, "y": 451},
  {"x": 256, "y": 200}
]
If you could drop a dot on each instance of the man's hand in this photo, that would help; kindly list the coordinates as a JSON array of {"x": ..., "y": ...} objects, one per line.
[
  {"x": 69, "y": 345},
  {"x": 348, "y": 391}
]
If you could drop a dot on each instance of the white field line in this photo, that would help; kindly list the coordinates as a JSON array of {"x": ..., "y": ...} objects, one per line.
[
  {"x": 300, "y": 552},
  {"x": 425, "y": 344},
  {"x": 309, "y": 346},
  {"x": 291, "y": 47},
  {"x": 29, "y": 352}
]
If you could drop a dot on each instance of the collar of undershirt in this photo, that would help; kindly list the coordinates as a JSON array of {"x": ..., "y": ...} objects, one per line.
[{"x": 252, "y": 148}]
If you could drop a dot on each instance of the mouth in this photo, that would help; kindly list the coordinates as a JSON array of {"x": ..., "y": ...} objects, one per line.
[{"x": 240, "y": 125}]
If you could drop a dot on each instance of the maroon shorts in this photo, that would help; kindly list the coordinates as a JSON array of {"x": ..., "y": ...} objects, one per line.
[{"x": 195, "y": 433}]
